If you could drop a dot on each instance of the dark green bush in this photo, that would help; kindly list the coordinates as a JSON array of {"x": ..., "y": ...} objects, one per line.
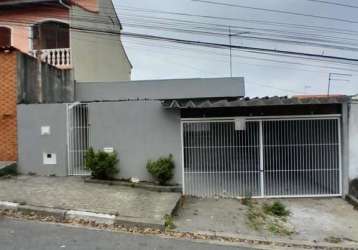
[
  {"x": 161, "y": 169},
  {"x": 102, "y": 165},
  {"x": 9, "y": 170},
  {"x": 276, "y": 209}
]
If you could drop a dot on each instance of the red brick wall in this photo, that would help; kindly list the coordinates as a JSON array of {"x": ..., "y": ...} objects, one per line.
[{"x": 8, "y": 122}]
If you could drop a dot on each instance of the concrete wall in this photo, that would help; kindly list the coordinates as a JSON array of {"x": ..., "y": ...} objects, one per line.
[
  {"x": 32, "y": 144},
  {"x": 138, "y": 131},
  {"x": 96, "y": 55},
  {"x": 353, "y": 140},
  {"x": 161, "y": 89},
  {"x": 56, "y": 85}
]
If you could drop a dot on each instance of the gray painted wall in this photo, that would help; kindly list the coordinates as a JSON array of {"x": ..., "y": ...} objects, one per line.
[
  {"x": 161, "y": 89},
  {"x": 32, "y": 144},
  {"x": 98, "y": 56},
  {"x": 353, "y": 140},
  {"x": 138, "y": 131}
]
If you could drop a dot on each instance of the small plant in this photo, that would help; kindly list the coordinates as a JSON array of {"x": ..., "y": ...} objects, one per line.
[
  {"x": 10, "y": 170},
  {"x": 168, "y": 222},
  {"x": 101, "y": 164},
  {"x": 161, "y": 169},
  {"x": 276, "y": 209}
]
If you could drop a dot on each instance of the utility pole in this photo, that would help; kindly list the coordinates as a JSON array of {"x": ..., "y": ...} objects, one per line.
[
  {"x": 330, "y": 79},
  {"x": 230, "y": 43}
]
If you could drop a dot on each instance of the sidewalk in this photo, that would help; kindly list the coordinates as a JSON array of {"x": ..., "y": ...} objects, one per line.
[
  {"x": 331, "y": 220},
  {"x": 126, "y": 204}
]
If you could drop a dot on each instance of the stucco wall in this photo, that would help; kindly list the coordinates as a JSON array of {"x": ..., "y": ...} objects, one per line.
[
  {"x": 96, "y": 55},
  {"x": 138, "y": 131},
  {"x": 353, "y": 140},
  {"x": 161, "y": 89},
  {"x": 32, "y": 144},
  {"x": 20, "y": 22}
]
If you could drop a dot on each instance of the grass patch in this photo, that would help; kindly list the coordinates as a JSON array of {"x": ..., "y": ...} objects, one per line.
[
  {"x": 276, "y": 209},
  {"x": 169, "y": 222},
  {"x": 272, "y": 218}
]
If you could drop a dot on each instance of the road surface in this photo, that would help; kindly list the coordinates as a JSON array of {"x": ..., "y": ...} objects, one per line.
[{"x": 32, "y": 235}]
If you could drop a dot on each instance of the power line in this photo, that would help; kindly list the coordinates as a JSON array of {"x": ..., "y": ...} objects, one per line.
[
  {"x": 278, "y": 11},
  {"x": 261, "y": 22},
  {"x": 335, "y": 3}
]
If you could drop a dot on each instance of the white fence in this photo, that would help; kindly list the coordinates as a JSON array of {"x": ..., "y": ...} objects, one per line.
[
  {"x": 60, "y": 58},
  {"x": 266, "y": 158}
]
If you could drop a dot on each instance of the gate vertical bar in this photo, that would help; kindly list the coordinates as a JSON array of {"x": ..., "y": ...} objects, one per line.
[
  {"x": 339, "y": 124},
  {"x": 262, "y": 160}
]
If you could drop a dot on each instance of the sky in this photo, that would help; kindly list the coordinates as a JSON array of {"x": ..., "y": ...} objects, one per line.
[{"x": 265, "y": 75}]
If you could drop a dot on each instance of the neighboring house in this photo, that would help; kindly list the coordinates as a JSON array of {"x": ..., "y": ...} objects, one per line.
[{"x": 83, "y": 35}]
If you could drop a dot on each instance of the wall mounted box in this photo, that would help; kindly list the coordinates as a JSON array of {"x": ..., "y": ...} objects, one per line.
[{"x": 49, "y": 159}]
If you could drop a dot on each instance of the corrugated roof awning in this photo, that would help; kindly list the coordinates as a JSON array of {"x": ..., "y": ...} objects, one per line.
[{"x": 251, "y": 102}]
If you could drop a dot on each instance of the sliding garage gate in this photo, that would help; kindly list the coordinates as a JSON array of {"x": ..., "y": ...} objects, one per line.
[{"x": 288, "y": 157}]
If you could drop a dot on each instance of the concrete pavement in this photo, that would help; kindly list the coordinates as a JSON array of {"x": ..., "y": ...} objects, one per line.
[
  {"x": 31, "y": 235},
  {"x": 128, "y": 205}
]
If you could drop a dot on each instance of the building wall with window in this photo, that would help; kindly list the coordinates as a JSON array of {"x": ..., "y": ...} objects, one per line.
[
  {"x": 21, "y": 21},
  {"x": 93, "y": 44}
]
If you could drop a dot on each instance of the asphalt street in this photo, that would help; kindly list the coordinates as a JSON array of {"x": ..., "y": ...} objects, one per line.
[{"x": 32, "y": 235}]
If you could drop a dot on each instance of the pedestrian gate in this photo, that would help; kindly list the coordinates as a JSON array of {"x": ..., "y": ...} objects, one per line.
[
  {"x": 288, "y": 157},
  {"x": 78, "y": 134}
]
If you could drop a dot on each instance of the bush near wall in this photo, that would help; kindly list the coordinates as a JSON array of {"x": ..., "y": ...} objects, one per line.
[
  {"x": 161, "y": 169},
  {"x": 102, "y": 165}
]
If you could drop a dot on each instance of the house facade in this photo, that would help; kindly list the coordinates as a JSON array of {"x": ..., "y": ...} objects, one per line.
[
  {"x": 80, "y": 35},
  {"x": 222, "y": 143}
]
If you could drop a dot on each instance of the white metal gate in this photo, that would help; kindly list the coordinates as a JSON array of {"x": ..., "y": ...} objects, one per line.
[
  {"x": 271, "y": 157},
  {"x": 78, "y": 134}
]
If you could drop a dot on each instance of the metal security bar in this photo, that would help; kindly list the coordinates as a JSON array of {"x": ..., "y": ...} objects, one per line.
[
  {"x": 220, "y": 161},
  {"x": 78, "y": 134},
  {"x": 301, "y": 157},
  {"x": 284, "y": 157}
]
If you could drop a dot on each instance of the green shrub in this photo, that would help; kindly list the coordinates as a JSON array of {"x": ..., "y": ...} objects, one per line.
[
  {"x": 161, "y": 169},
  {"x": 169, "y": 222},
  {"x": 276, "y": 209},
  {"x": 101, "y": 164},
  {"x": 9, "y": 170}
]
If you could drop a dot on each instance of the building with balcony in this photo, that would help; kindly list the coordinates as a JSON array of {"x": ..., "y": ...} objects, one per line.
[{"x": 82, "y": 35}]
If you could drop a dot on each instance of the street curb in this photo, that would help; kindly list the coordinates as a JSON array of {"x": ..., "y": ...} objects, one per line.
[
  {"x": 146, "y": 186},
  {"x": 61, "y": 215},
  {"x": 278, "y": 242},
  {"x": 9, "y": 205},
  {"x": 97, "y": 217},
  {"x": 143, "y": 225},
  {"x": 58, "y": 214}
]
